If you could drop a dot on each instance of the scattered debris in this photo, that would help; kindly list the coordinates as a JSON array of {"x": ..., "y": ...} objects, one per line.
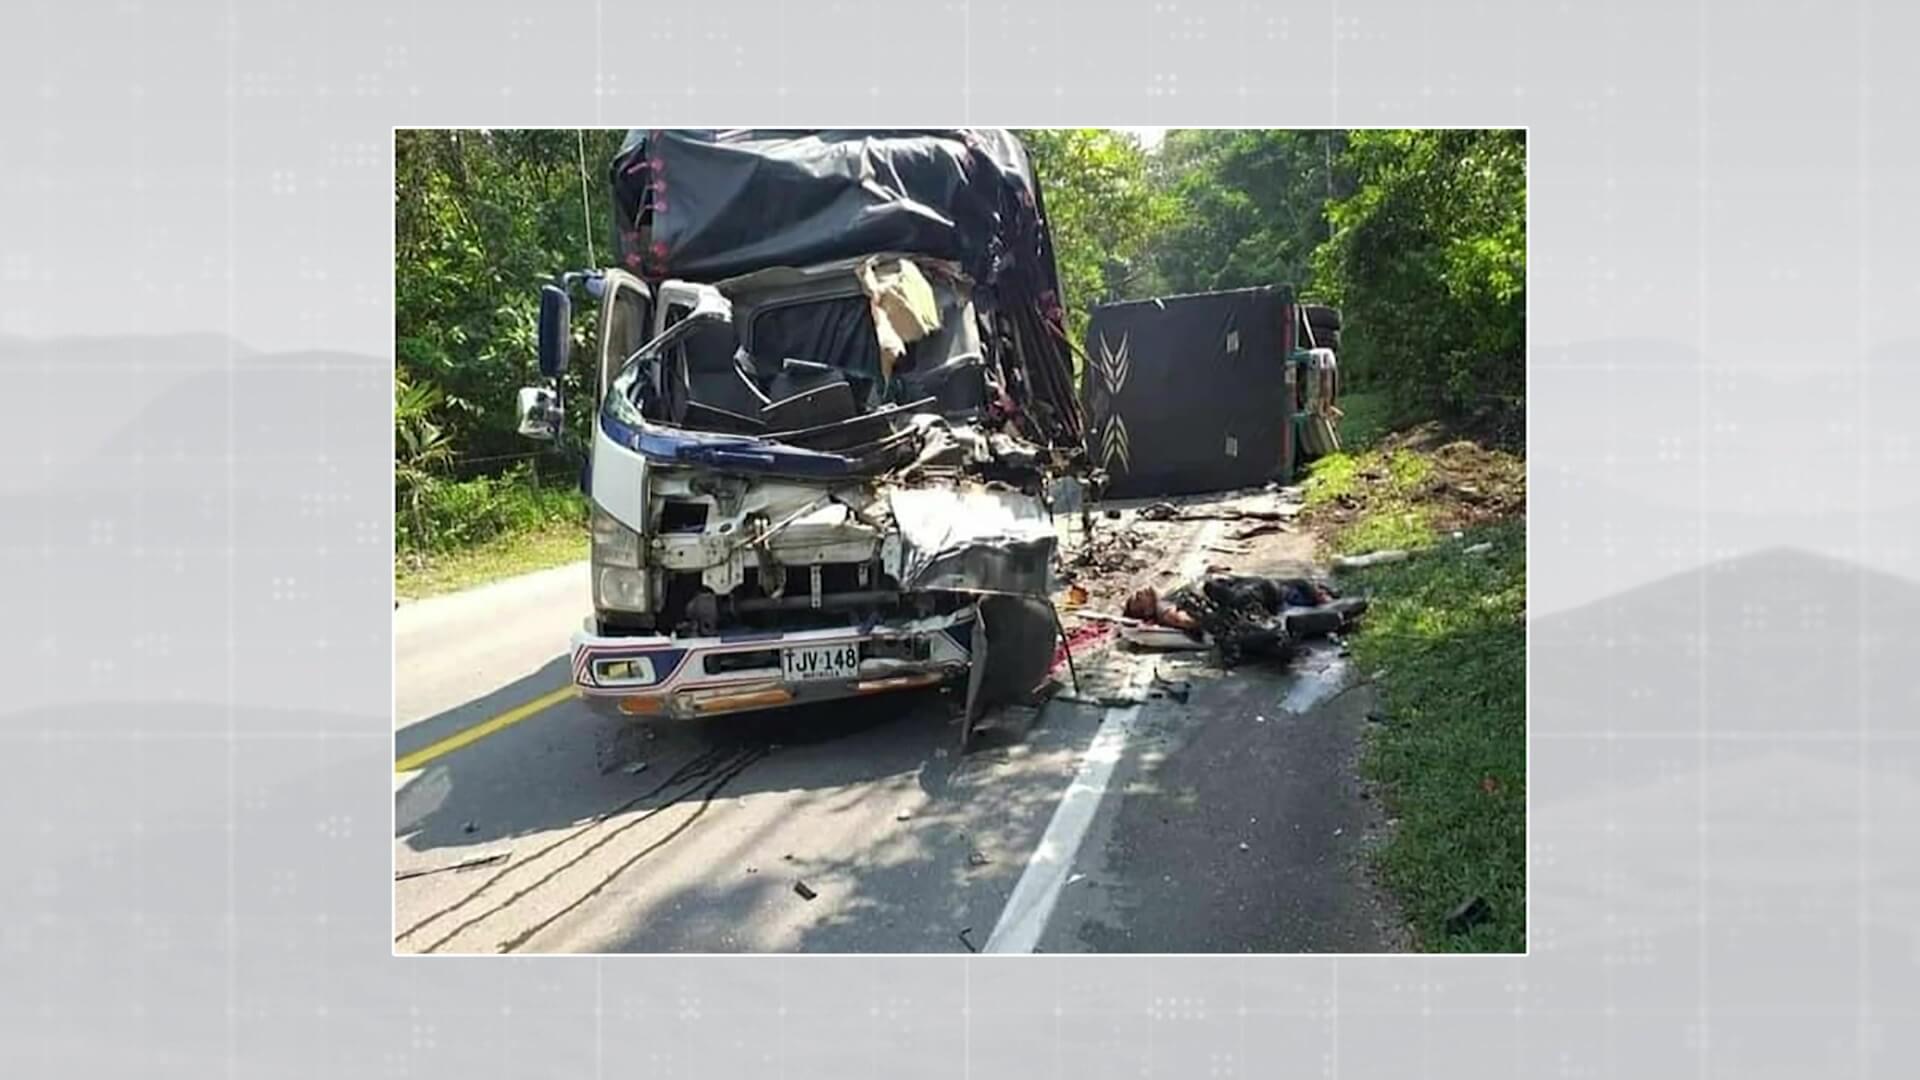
[
  {"x": 753, "y": 869},
  {"x": 1164, "y": 638},
  {"x": 1073, "y": 879},
  {"x": 904, "y": 815},
  {"x": 1476, "y": 549},
  {"x": 964, "y": 931},
  {"x": 1371, "y": 558},
  {"x": 1179, "y": 690},
  {"x": 1160, "y": 511},
  {"x": 805, "y": 892},
  {"x": 977, "y": 858},
  {"x": 468, "y": 863},
  {"x": 634, "y": 768},
  {"x": 1265, "y": 528},
  {"x": 1243, "y": 846},
  {"x": 468, "y": 826},
  {"x": 1471, "y": 913},
  {"x": 1112, "y": 515}
]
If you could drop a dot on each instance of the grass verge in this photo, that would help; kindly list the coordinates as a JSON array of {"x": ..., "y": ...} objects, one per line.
[
  {"x": 1365, "y": 416},
  {"x": 1445, "y": 642},
  {"x": 416, "y": 576}
]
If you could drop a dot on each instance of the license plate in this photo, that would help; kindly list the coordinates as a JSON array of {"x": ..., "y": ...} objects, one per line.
[{"x": 821, "y": 662}]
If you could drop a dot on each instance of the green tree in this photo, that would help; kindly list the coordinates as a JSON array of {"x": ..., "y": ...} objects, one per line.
[
  {"x": 1428, "y": 262},
  {"x": 1103, "y": 212},
  {"x": 1250, "y": 206},
  {"x": 422, "y": 448},
  {"x": 482, "y": 218}
]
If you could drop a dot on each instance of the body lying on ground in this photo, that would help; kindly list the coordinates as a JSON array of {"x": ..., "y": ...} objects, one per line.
[{"x": 1248, "y": 615}]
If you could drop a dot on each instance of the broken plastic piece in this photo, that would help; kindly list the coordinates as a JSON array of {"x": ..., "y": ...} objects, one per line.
[
  {"x": 1161, "y": 637},
  {"x": 1371, "y": 558},
  {"x": 1471, "y": 913}
]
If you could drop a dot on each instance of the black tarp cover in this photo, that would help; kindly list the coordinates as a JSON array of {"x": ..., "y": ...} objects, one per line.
[
  {"x": 705, "y": 205},
  {"x": 708, "y": 205},
  {"x": 1190, "y": 393}
]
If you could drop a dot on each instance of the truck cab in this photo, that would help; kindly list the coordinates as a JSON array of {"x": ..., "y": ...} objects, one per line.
[
  {"x": 811, "y": 482},
  {"x": 769, "y": 528}
]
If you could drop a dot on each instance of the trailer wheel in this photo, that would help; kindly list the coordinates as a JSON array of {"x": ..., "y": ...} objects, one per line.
[{"x": 1319, "y": 315}]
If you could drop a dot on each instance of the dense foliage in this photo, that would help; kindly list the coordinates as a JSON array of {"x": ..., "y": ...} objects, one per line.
[
  {"x": 1250, "y": 206},
  {"x": 481, "y": 219},
  {"x": 1428, "y": 259},
  {"x": 1419, "y": 236},
  {"x": 1104, "y": 211}
]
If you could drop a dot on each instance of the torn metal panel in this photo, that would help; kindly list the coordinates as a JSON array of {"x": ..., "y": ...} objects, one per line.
[
  {"x": 973, "y": 539},
  {"x": 1013, "y": 640}
]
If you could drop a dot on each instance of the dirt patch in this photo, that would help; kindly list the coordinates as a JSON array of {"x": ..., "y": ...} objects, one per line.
[
  {"x": 1102, "y": 566},
  {"x": 1494, "y": 429},
  {"x": 1435, "y": 487},
  {"x": 1473, "y": 485}
]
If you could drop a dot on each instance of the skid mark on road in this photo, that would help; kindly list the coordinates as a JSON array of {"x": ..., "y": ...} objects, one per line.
[
  {"x": 481, "y": 730},
  {"x": 705, "y": 775},
  {"x": 707, "y": 795}
]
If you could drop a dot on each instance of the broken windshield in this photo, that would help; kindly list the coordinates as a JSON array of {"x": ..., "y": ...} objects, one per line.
[{"x": 788, "y": 353}]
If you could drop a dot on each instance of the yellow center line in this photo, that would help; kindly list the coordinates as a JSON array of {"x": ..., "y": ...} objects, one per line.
[{"x": 481, "y": 730}]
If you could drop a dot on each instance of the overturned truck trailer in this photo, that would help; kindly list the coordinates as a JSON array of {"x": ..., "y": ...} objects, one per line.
[
  {"x": 832, "y": 400},
  {"x": 1192, "y": 393}
]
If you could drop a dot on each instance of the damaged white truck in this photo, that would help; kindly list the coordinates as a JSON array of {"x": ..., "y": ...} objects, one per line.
[{"x": 833, "y": 416}]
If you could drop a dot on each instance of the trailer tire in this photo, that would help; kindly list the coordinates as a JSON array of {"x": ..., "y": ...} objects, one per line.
[{"x": 1319, "y": 315}]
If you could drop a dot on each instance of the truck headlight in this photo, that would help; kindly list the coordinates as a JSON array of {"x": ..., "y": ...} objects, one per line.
[
  {"x": 613, "y": 543},
  {"x": 620, "y": 589}
]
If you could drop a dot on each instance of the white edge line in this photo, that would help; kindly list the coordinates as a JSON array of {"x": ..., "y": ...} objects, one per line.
[{"x": 1037, "y": 892}]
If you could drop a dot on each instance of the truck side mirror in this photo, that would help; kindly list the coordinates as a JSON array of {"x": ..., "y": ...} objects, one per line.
[
  {"x": 556, "y": 330},
  {"x": 541, "y": 415}
]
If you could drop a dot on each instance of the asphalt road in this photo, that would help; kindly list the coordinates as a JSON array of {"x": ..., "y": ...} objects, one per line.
[{"x": 526, "y": 822}]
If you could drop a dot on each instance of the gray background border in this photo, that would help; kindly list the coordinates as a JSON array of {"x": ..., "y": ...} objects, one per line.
[{"x": 194, "y": 234}]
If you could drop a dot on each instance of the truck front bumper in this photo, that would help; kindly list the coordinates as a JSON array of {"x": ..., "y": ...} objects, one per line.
[{"x": 685, "y": 677}]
